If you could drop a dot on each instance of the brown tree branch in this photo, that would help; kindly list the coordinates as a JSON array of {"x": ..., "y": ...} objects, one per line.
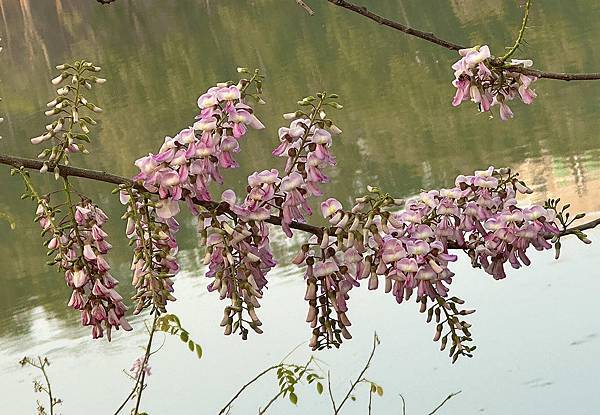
[
  {"x": 363, "y": 11},
  {"x": 103, "y": 176},
  {"x": 430, "y": 37}
]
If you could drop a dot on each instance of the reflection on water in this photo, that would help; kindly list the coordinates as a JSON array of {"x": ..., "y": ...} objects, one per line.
[
  {"x": 537, "y": 351},
  {"x": 399, "y": 132}
]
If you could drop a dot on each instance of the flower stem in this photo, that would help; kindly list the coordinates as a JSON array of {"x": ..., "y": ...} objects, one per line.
[
  {"x": 521, "y": 34},
  {"x": 43, "y": 369},
  {"x": 144, "y": 364}
]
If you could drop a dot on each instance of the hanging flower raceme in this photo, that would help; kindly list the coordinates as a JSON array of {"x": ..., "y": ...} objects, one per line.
[
  {"x": 78, "y": 242},
  {"x": 71, "y": 113},
  {"x": 489, "y": 82},
  {"x": 80, "y": 246},
  {"x": 238, "y": 256},
  {"x": 155, "y": 251},
  {"x": 189, "y": 161},
  {"x": 306, "y": 145},
  {"x": 327, "y": 284}
]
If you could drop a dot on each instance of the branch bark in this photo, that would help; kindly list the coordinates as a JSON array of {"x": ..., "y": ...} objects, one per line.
[
  {"x": 103, "y": 176},
  {"x": 430, "y": 37}
]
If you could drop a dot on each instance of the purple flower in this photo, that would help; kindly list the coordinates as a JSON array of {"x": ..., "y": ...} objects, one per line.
[{"x": 487, "y": 85}]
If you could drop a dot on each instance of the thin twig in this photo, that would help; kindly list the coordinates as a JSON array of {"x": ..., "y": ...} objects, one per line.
[
  {"x": 38, "y": 387},
  {"x": 403, "y": 404},
  {"x": 261, "y": 374},
  {"x": 227, "y": 406},
  {"x": 145, "y": 363},
  {"x": 282, "y": 391},
  {"x": 330, "y": 392},
  {"x": 306, "y": 7},
  {"x": 141, "y": 374},
  {"x": 273, "y": 399},
  {"x": 521, "y": 33},
  {"x": 452, "y": 395},
  {"x": 360, "y": 376},
  {"x": 430, "y": 37},
  {"x": 363, "y": 11},
  {"x": 43, "y": 369}
]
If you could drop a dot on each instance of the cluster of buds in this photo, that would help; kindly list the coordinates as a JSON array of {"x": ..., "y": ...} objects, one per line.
[
  {"x": 327, "y": 286},
  {"x": 450, "y": 326},
  {"x": 189, "y": 161},
  {"x": 488, "y": 81},
  {"x": 409, "y": 248},
  {"x": 70, "y": 112},
  {"x": 239, "y": 257},
  {"x": 79, "y": 246},
  {"x": 155, "y": 248}
]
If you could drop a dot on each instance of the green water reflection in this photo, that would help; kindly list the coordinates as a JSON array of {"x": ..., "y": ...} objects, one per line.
[{"x": 399, "y": 128}]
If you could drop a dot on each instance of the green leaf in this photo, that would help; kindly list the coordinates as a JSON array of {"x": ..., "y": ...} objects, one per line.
[
  {"x": 184, "y": 336},
  {"x": 319, "y": 388},
  {"x": 293, "y": 398},
  {"x": 198, "y": 351},
  {"x": 191, "y": 345},
  {"x": 379, "y": 390}
]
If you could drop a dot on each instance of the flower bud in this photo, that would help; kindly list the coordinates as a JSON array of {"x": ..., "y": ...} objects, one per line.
[
  {"x": 58, "y": 79},
  {"x": 335, "y": 129},
  {"x": 41, "y": 138}
]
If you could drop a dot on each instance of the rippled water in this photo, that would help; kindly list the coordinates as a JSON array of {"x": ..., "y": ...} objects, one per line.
[{"x": 537, "y": 332}]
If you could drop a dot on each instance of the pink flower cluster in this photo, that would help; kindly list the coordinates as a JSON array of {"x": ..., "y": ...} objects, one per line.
[
  {"x": 239, "y": 254},
  {"x": 488, "y": 85},
  {"x": 410, "y": 248},
  {"x": 306, "y": 146},
  {"x": 81, "y": 251},
  {"x": 188, "y": 162},
  {"x": 154, "y": 260},
  {"x": 238, "y": 257}
]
